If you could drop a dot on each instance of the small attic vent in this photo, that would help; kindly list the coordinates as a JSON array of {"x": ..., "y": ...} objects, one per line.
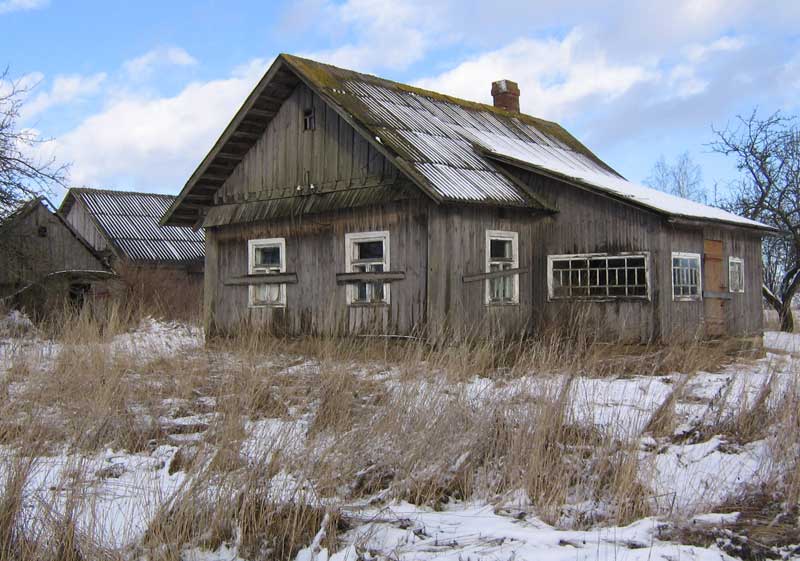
[
  {"x": 42, "y": 231},
  {"x": 309, "y": 122}
]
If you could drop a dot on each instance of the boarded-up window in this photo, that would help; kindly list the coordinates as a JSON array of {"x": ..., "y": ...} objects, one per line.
[
  {"x": 502, "y": 254},
  {"x": 267, "y": 257},
  {"x": 736, "y": 274},
  {"x": 686, "y": 280},
  {"x": 599, "y": 276},
  {"x": 367, "y": 252}
]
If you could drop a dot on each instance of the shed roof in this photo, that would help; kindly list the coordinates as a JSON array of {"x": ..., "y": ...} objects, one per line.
[
  {"x": 447, "y": 146},
  {"x": 130, "y": 223}
]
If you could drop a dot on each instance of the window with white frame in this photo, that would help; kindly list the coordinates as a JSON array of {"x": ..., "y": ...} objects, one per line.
[
  {"x": 598, "y": 276},
  {"x": 502, "y": 254},
  {"x": 266, "y": 257},
  {"x": 736, "y": 274},
  {"x": 686, "y": 280},
  {"x": 367, "y": 252}
]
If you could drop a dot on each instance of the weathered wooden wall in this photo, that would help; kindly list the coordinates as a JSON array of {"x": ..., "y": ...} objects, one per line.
[
  {"x": 27, "y": 257},
  {"x": 315, "y": 250},
  {"x": 332, "y": 157},
  {"x": 82, "y": 222},
  {"x": 589, "y": 223},
  {"x": 457, "y": 247}
]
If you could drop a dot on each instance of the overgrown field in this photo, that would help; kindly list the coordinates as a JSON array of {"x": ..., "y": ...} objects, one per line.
[{"x": 130, "y": 439}]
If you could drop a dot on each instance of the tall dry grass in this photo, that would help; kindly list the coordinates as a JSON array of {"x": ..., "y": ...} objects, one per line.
[{"x": 360, "y": 420}]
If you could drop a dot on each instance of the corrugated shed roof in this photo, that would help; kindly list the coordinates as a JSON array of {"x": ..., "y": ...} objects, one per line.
[{"x": 130, "y": 221}]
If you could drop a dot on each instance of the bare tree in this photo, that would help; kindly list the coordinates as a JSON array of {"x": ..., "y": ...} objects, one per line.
[
  {"x": 22, "y": 174},
  {"x": 767, "y": 153},
  {"x": 683, "y": 178}
]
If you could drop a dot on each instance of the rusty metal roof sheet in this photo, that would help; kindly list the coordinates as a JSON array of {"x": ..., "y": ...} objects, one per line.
[{"x": 130, "y": 222}]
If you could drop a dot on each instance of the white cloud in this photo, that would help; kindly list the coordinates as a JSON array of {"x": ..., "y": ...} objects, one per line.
[
  {"x": 382, "y": 33},
  {"x": 726, "y": 44},
  {"x": 153, "y": 143},
  {"x": 553, "y": 75},
  {"x": 9, "y": 6},
  {"x": 141, "y": 67},
  {"x": 65, "y": 89}
]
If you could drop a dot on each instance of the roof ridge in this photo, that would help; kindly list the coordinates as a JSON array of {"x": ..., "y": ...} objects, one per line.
[
  {"x": 423, "y": 91},
  {"x": 116, "y": 192}
]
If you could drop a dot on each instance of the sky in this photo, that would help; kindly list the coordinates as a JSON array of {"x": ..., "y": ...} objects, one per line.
[{"x": 134, "y": 94}]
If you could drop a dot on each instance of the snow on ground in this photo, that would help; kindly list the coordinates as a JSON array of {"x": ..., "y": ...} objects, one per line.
[
  {"x": 474, "y": 531},
  {"x": 686, "y": 478}
]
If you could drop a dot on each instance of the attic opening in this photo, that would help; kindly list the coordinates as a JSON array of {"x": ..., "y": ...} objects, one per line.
[{"x": 309, "y": 120}]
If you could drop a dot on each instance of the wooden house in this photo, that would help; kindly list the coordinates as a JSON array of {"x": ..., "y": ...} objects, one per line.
[
  {"x": 45, "y": 261},
  {"x": 338, "y": 201}
]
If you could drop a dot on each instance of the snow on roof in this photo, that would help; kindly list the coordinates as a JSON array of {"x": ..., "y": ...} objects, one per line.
[
  {"x": 444, "y": 144},
  {"x": 578, "y": 168}
]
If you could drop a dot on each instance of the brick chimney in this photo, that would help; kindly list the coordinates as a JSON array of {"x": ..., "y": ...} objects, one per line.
[{"x": 506, "y": 95}]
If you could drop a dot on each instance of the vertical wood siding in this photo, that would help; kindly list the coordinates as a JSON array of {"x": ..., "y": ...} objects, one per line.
[
  {"x": 589, "y": 223},
  {"x": 333, "y": 156},
  {"x": 27, "y": 257},
  {"x": 315, "y": 250},
  {"x": 79, "y": 218}
]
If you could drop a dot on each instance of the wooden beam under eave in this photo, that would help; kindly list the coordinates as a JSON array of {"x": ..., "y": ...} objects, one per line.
[
  {"x": 261, "y": 113},
  {"x": 212, "y": 177},
  {"x": 230, "y": 156}
]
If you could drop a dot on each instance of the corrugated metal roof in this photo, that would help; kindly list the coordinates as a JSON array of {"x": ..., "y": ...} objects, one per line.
[
  {"x": 447, "y": 146},
  {"x": 130, "y": 221}
]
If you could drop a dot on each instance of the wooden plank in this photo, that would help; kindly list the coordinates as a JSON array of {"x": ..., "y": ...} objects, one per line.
[
  {"x": 272, "y": 278},
  {"x": 386, "y": 276},
  {"x": 496, "y": 274},
  {"x": 718, "y": 295}
]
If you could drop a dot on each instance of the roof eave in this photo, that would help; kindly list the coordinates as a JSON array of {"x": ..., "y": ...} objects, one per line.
[
  {"x": 247, "y": 105},
  {"x": 576, "y": 182}
]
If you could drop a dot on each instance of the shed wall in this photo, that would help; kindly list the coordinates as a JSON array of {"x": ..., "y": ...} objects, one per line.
[{"x": 27, "y": 256}]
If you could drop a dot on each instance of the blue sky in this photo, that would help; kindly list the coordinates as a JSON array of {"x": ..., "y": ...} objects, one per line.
[{"x": 133, "y": 94}]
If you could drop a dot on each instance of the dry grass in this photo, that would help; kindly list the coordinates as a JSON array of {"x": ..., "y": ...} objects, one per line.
[{"x": 378, "y": 420}]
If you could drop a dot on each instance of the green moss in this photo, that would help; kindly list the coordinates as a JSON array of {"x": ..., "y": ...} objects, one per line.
[{"x": 333, "y": 79}]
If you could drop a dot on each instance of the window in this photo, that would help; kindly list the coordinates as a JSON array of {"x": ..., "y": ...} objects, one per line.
[
  {"x": 686, "y": 281},
  {"x": 267, "y": 257},
  {"x": 367, "y": 252},
  {"x": 502, "y": 254},
  {"x": 42, "y": 231},
  {"x": 309, "y": 121},
  {"x": 597, "y": 275},
  {"x": 736, "y": 274}
]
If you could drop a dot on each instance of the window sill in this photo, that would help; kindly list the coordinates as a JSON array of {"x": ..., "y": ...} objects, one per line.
[
  {"x": 641, "y": 299},
  {"x": 368, "y": 304},
  {"x": 501, "y": 304},
  {"x": 687, "y": 299},
  {"x": 256, "y": 306}
]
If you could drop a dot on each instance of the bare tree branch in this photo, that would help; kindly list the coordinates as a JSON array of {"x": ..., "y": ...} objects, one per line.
[
  {"x": 22, "y": 174},
  {"x": 767, "y": 153}
]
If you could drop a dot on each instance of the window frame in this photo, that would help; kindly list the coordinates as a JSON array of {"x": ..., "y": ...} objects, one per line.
[
  {"x": 504, "y": 235},
  {"x": 252, "y": 245},
  {"x": 350, "y": 240},
  {"x": 309, "y": 119},
  {"x": 740, "y": 262},
  {"x": 686, "y": 297},
  {"x": 551, "y": 297}
]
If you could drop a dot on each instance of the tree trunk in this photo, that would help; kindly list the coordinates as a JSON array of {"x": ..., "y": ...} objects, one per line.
[{"x": 786, "y": 317}]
